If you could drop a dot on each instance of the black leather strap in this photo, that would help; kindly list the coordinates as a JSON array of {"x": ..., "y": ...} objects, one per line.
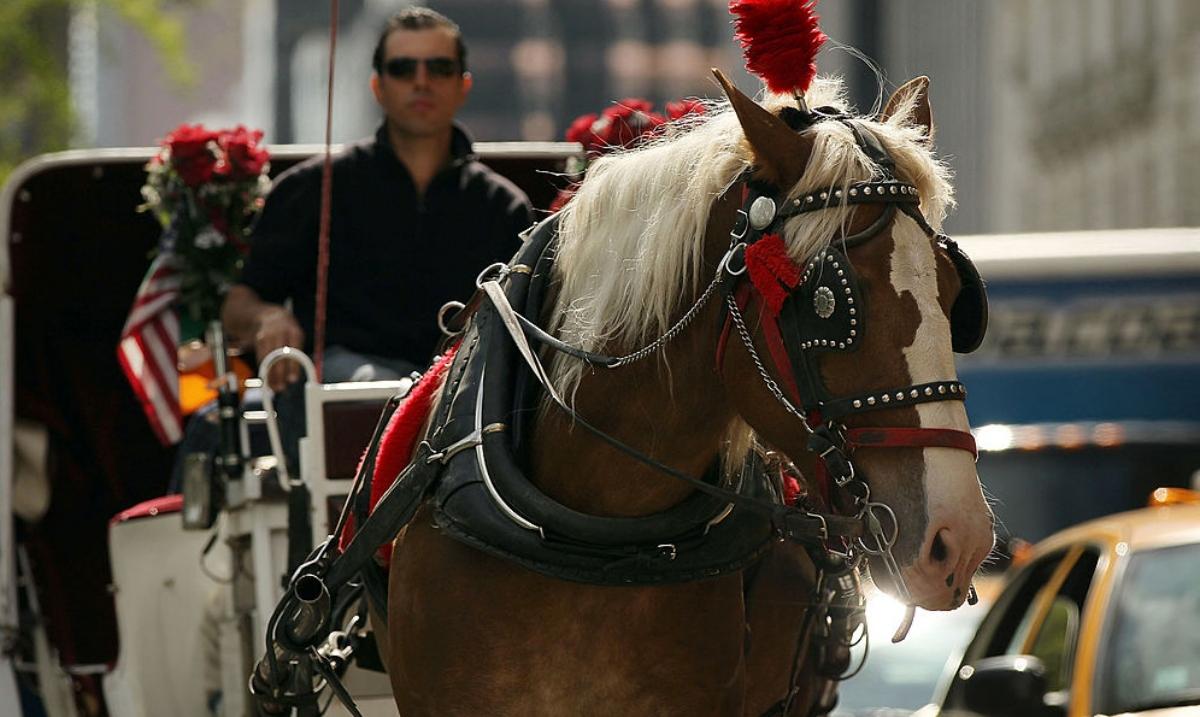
[
  {"x": 536, "y": 333},
  {"x": 393, "y": 511},
  {"x": 889, "y": 191},
  {"x": 894, "y": 398}
]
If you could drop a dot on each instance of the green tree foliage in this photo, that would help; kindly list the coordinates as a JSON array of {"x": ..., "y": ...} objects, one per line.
[{"x": 35, "y": 100}]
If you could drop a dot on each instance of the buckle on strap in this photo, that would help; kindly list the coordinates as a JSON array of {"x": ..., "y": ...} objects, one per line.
[
  {"x": 823, "y": 531},
  {"x": 822, "y": 442},
  {"x": 496, "y": 271},
  {"x": 742, "y": 221},
  {"x": 799, "y": 526},
  {"x": 472, "y": 439}
]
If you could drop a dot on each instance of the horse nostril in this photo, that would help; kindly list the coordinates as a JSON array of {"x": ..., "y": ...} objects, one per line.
[{"x": 937, "y": 551}]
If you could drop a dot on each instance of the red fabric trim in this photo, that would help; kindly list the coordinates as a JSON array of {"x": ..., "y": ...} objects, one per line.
[
  {"x": 779, "y": 356},
  {"x": 398, "y": 439},
  {"x": 911, "y": 438},
  {"x": 771, "y": 270},
  {"x": 741, "y": 296},
  {"x": 149, "y": 508},
  {"x": 791, "y": 488}
]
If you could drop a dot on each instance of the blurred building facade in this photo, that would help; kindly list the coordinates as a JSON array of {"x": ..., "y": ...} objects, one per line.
[
  {"x": 1073, "y": 114},
  {"x": 537, "y": 65},
  {"x": 1098, "y": 103}
]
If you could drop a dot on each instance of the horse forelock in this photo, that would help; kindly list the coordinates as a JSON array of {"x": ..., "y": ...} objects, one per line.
[{"x": 631, "y": 244}]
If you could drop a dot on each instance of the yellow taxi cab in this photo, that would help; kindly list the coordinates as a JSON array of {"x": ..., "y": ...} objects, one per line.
[{"x": 1102, "y": 619}]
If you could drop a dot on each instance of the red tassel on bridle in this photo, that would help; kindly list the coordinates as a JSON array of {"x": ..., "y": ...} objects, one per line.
[
  {"x": 779, "y": 39},
  {"x": 771, "y": 270}
]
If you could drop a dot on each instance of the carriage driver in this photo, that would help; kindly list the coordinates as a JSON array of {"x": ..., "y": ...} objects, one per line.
[{"x": 415, "y": 217}]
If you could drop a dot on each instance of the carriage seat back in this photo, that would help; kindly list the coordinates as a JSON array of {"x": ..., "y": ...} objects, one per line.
[{"x": 341, "y": 418}]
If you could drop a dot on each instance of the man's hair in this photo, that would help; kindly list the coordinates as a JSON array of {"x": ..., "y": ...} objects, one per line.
[{"x": 419, "y": 18}]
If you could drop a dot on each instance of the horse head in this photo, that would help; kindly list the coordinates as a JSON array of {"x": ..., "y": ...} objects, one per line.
[{"x": 854, "y": 308}]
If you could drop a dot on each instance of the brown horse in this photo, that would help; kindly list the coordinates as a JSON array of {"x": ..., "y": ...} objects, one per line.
[{"x": 473, "y": 634}]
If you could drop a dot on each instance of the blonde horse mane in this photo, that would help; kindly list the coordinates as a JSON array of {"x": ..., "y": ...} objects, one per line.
[{"x": 631, "y": 241}]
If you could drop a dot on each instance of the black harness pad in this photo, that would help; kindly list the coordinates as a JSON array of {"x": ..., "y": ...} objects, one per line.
[{"x": 690, "y": 541}]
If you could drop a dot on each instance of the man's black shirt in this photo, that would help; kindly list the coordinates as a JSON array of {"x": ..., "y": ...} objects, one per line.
[{"x": 394, "y": 257}]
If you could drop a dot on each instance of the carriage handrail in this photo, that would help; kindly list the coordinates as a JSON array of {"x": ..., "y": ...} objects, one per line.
[{"x": 272, "y": 419}]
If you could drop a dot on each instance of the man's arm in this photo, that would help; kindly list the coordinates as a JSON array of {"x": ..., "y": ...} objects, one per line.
[
  {"x": 283, "y": 239},
  {"x": 254, "y": 324}
]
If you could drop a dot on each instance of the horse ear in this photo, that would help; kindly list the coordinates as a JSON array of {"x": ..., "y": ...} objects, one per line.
[
  {"x": 780, "y": 152},
  {"x": 916, "y": 89}
]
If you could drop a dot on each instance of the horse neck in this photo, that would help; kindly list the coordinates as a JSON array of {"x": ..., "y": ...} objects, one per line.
[{"x": 667, "y": 406}]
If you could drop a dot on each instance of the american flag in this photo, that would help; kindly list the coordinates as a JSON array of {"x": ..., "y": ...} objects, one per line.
[{"x": 147, "y": 351}]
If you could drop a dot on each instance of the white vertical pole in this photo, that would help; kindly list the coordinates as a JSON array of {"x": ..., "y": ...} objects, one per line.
[{"x": 258, "y": 65}]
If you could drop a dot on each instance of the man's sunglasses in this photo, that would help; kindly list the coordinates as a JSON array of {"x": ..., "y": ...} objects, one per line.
[{"x": 405, "y": 68}]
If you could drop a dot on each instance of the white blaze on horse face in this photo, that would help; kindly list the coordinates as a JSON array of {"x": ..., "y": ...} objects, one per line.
[{"x": 954, "y": 501}]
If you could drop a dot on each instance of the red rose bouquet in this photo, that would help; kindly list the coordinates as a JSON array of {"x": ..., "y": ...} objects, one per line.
[
  {"x": 205, "y": 188},
  {"x": 626, "y": 124}
]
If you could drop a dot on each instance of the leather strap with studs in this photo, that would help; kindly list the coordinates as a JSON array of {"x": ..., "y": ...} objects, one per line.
[
  {"x": 899, "y": 398},
  {"x": 858, "y": 193}
]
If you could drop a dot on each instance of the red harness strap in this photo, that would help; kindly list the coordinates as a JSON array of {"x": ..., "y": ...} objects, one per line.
[
  {"x": 774, "y": 344},
  {"x": 779, "y": 355},
  {"x": 911, "y": 438}
]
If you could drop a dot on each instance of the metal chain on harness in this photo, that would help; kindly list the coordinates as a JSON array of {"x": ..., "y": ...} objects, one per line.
[
  {"x": 772, "y": 385},
  {"x": 672, "y": 332}
]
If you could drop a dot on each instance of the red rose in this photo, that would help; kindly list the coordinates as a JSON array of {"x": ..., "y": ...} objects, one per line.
[
  {"x": 244, "y": 159},
  {"x": 191, "y": 154},
  {"x": 561, "y": 199},
  {"x": 189, "y": 140},
  {"x": 683, "y": 108},
  {"x": 628, "y": 106},
  {"x": 581, "y": 131},
  {"x": 629, "y": 121}
]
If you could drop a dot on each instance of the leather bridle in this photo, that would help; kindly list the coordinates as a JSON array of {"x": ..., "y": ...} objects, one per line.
[
  {"x": 822, "y": 314},
  {"x": 796, "y": 356}
]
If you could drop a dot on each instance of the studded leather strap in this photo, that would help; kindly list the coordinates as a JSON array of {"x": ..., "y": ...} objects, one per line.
[
  {"x": 898, "y": 398},
  {"x": 857, "y": 193}
]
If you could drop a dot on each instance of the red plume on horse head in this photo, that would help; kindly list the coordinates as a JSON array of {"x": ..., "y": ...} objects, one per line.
[{"x": 779, "y": 39}]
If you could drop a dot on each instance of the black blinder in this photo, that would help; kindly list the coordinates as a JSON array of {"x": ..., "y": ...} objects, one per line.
[
  {"x": 969, "y": 315},
  {"x": 825, "y": 312}
]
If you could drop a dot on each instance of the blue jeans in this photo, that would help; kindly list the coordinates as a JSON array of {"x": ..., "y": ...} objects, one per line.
[{"x": 346, "y": 365}]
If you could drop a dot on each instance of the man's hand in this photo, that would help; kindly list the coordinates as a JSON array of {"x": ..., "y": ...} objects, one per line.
[
  {"x": 262, "y": 326},
  {"x": 277, "y": 328}
]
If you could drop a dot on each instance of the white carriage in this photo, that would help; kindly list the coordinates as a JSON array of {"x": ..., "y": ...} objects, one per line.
[{"x": 190, "y": 605}]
